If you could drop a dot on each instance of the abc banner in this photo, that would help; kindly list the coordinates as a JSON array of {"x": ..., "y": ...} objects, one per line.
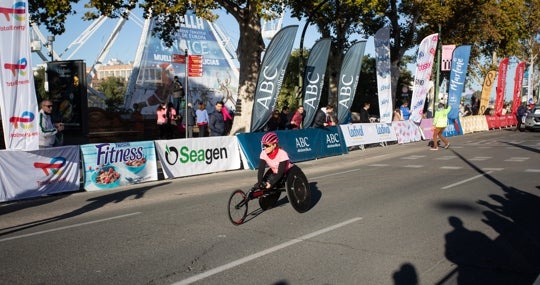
[
  {"x": 348, "y": 79},
  {"x": 110, "y": 165},
  {"x": 195, "y": 156},
  {"x": 27, "y": 174},
  {"x": 18, "y": 103},
  {"x": 424, "y": 65},
  {"x": 314, "y": 79}
]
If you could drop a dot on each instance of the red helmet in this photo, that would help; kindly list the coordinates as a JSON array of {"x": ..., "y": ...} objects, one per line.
[{"x": 270, "y": 138}]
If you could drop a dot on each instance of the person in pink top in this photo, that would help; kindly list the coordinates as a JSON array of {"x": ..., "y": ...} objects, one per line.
[{"x": 277, "y": 160}]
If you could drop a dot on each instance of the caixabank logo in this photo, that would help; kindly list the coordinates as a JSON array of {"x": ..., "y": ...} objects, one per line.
[
  {"x": 18, "y": 11},
  {"x": 54, "y": 166},
  {"x": 24, "y": 121}
]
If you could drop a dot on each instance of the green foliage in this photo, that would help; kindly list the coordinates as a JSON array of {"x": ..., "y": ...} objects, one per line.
[
  {"x": 114, "y": 89},
  {"x": 39, "y": 84}
]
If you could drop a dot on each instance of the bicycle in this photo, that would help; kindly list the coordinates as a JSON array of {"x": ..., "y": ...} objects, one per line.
[{"x": 294, "y": 182}]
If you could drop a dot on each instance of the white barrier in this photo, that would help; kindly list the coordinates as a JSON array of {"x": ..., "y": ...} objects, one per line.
[
  {"x": 361, "y": 134},
  {"x": 406, "y": 131}
]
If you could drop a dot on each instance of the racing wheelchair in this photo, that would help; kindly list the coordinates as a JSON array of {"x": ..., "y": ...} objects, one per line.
[{"x": 294, "y": 183}]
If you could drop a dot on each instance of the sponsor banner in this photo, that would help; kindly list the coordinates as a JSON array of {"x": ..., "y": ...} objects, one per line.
[
  {"x": 348, "y": 79},
  {"x": 360, "y": 134},
  {"x": 186, "y": 157},
  {"x": 446, "y": 57},
  {"x": 424, "y": 65},
  {"x": 384, "y": 78},
  {"x": 518, "y": 85},
  {"x": 501, "y": 85},
  {"x": 426, "y": 126},
  {"x": 314, "y": 79},
  {"x": 486, "y": 91},
  {"x": 301, "y": 145},
  {"x": 27, "y": 174},
  {"x": 406, "y": 131},
  {"x": 152, "y": 77},
  {"x": 460, "y": 63},
  {"x": 453, "y": 128},
  {"x": 493, "y": 122},
  {"x": 271, "y": 74},
  {"x": 18, "y": 103},
  {"x": 110, "y": 165}
]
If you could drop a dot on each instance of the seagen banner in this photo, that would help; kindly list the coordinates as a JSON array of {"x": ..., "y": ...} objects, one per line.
[
  {"x": 274, "y": 64},
  {"x": 424, "y": 64},
  {"x": 18, "y": 96},
  {"x": 314, "y": 78},
  {"x": 384, "y": 78},
  {"x": 460, "y": 63},
  {"x": 348, "y": 79}
]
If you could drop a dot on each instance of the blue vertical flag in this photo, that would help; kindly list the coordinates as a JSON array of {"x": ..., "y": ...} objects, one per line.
[
  {"x": 271, "y": 76},
  {"x": 348, "y": 79},
  {"x": 460, "y": 63},
  {"x": 314, "y": 78},
  {"x": 384, "y": 78}
]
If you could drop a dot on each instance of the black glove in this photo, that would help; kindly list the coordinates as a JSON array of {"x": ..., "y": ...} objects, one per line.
[{"x": 260, "y": 185}]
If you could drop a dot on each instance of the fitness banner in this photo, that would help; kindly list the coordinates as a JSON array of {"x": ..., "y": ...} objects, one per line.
[
  {"x": 274, "y": 64},
  {"x": 18, "y": 103},
  {"x": 314, "y": 79},
  {"x": 501, "y": 85},
  {"x": 27, "y": 174},
  {"x": 186, "y": 157},
  {"x": 460, "y": 63},
  {"x": 384, "y": 78},
  {"x": 301, "y": 145},
  {"x": 424, "y": 65},
  {"x": 360, "y": 134},
  {"x": 348, "y": 79},
  {"x": 110, "y": 165}
]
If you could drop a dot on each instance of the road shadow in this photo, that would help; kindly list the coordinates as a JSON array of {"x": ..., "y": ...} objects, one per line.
[
  {"x": 17, "y": 205},
  {"x": 94, "y": 203},
  {"x": 406, "y": 275},
  {"x": 511, "y": 257},
  {"x": 523, "y": 147}
]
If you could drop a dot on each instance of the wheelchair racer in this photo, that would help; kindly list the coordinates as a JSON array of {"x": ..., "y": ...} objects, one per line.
[{"x": 277, "y": 160}]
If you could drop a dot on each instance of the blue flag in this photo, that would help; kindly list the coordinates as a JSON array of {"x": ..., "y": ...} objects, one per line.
[
  {"x": 460, "y": 63},
  {"x": 314, "y": 79},
  {"x": 271, "y": 76},
  {"x": 348, "y": 79}
]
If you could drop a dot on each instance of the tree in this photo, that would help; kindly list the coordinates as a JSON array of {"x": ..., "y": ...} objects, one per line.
[
  {"x": 248, "y": 14},
  {"x": 114, "y": 89},
  {"x": 39, "y": 84}
]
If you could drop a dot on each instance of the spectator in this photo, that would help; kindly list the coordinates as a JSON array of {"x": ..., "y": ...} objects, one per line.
[
  {"x": 297, "y": 119},
  {"x": 172, "y": 118},
  {"x": 177, "y": 92},
  {"x": 397, "y": 115},
  {"x": 323, "y": 118},
  {"x": 364, "y": 113},
  {"x": 405, "y": 111},
  {"x": 216, "y": 123},
  {"x": 161, "y": 120},
  {"x": 521, "y": 113},
  {"x": 189, "y": 120},
  {"x": 274, "y": 122},
  {"x": 202, "y": 119},
  {"x": 228, "y": 119},
  {"x": 47, "y": 130},
  {"x": 285, "y": 118}
]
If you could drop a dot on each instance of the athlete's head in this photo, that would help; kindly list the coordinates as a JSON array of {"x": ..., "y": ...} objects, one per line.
[{"x": 269, "y": 142}]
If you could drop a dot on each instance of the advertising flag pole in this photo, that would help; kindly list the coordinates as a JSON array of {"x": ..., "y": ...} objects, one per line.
[{"x": 186, "y": 93}]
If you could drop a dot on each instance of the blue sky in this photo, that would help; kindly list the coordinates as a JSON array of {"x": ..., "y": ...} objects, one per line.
[{"x": 125, "y": 46}]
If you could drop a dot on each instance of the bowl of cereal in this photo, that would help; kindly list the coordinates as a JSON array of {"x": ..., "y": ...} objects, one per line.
[
  {"x": 106, "y": 177},
  {"x": 135, "y": 165}
]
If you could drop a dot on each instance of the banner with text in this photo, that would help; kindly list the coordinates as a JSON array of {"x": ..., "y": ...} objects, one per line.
[
  {"x": 110, "y": 165},
  {"x": 501, "y": 85},
  {"x": 458, "y": 72},
  {"x": 424, "y": 65},
  {"x": 360, "y": 134},
  {"x": 18, "y": 103},
  {"x": 518, "y": 86},
  {"x": 348, "y": 79},
  {"x": 486, "y": 91},
  {"x": 271, "y": 73},
  {"x": 27, "y": 174},
  {"x": 384, "y": 77},
  {"x": 314, "y": 79},
  {"x": 186, "y": 157}
]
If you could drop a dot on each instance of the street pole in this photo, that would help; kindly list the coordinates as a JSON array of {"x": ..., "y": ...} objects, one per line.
[{"x": 186, "y": 92}]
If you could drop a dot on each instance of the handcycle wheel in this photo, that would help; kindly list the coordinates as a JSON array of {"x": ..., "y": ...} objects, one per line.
[
  {"x": 269, "y": 200},
  {"x": 298, "y": 190},
  {"x": 238, "y": 207}
]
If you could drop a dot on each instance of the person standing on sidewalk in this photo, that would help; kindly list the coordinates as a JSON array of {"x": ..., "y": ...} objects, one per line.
[{"x": 440, "y": 121}]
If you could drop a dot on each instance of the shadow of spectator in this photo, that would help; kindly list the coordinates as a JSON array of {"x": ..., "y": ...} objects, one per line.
[
  {"x": 406, "y": 275},
  {"x": 95, "y": 203}
]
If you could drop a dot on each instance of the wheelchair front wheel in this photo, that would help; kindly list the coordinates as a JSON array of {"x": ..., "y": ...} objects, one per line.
[{"x": 238, "y": 207}]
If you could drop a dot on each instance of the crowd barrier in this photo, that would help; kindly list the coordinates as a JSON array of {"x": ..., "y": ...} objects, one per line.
[{"x": 28, "y": 174}]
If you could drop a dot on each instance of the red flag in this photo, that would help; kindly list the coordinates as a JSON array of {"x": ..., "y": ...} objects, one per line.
[
  {"x": 501, "y": 85},
  {"x": 518, "y": 82}
]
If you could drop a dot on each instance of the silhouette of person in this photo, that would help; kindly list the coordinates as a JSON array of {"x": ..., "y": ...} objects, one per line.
[{"x": 406, "y": 275}]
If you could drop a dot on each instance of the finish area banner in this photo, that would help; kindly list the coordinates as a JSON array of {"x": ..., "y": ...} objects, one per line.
[
  {"x": 18, "y": 96},
  {"x": 424, "y": 65}
]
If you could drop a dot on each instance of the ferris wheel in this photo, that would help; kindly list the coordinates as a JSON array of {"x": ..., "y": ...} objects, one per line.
[{"x": 271, "y": 27}]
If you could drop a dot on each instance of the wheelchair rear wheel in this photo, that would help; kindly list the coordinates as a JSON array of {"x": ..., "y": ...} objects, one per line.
[{"x": 298, "y": 190}]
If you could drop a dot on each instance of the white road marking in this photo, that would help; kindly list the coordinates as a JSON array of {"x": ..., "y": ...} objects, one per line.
[
  {"x": 451, "y": 167},
  {"x": 379, "y": 165},
  {"x": 492, "y": 169},
  {"x": 466, "y": 180},
  {"x": 337, "y": 173},
  {"x": 68, "y": 227},
  {"x": 262, "y": 253},
  {"x": 413, "y": 166},
  {"x": 413, "y": 157},
  {"x": 517, "y": 159},
  {"x": 533, "y": 170},
  {"x": 447, "y": 157},
  {"x": 480, "y": 158}
]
